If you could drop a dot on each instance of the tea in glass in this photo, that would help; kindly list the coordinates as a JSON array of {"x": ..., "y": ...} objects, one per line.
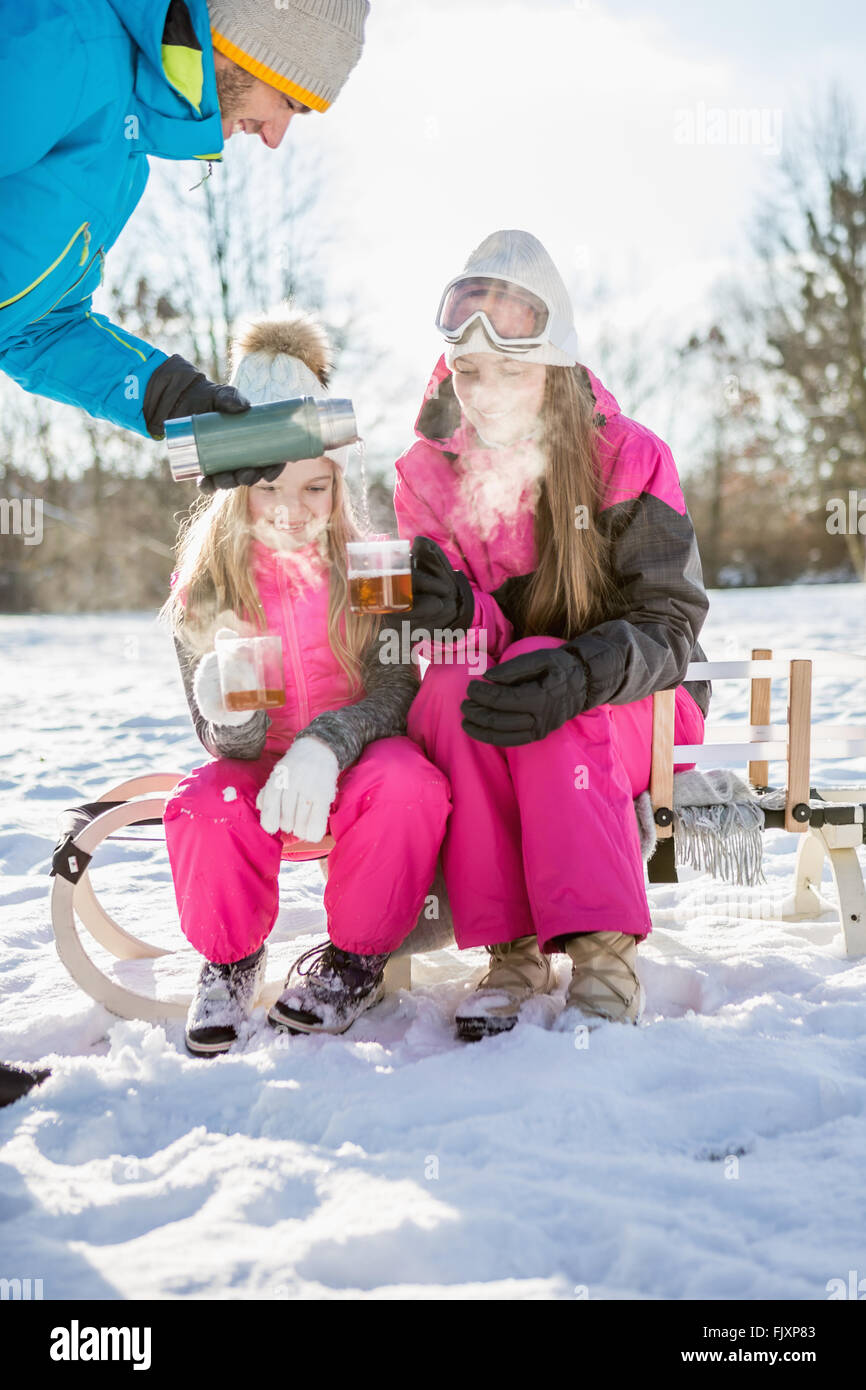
[
  {"x": 380, "y": 576},
  {"x": 251, "y": 672}
]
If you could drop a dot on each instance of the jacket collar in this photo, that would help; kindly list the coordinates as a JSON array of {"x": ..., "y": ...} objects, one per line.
[
  {"x": 176, "y": 105},
  {"x": 440, "y": 420}
]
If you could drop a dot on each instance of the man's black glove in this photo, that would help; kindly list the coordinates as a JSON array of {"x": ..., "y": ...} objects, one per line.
[
  {"x": 441, "y": 596},
  {"x": 525, "y": 698},
  {"x": 177, "y": 388}
]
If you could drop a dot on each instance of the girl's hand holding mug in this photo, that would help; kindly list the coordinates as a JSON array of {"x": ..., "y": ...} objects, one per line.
[
  {"x": 441, "y": 596},
  {"x": 208, "y": 690},
  {"x": 298, "y": 794}
]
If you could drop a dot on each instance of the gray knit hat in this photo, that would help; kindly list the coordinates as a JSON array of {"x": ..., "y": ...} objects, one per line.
[
  {"x": 305, "y": 48},
  {"x": 519, "y": 256}
]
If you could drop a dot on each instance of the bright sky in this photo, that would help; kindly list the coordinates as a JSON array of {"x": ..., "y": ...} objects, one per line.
[
  {"x": 594, "y": 126},
  {"x": 586, "y": 124}
]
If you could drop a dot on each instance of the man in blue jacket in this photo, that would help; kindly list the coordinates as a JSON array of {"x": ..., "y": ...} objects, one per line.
[{"x": 89, "y": 89}]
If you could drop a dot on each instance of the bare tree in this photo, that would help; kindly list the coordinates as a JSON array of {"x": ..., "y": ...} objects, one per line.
[
  {"x": 810, "y": 235},
  {"x": 750, "y": 514}
]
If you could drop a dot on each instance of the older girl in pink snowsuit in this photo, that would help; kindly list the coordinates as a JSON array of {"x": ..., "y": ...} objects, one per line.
[
  {"x": 334, "y": 758},
  {"x": 552, "y": 534}
]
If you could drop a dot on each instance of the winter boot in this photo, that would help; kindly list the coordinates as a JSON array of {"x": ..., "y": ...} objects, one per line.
[
  {"x": 518, "y": 971},
  {"x": 224, "y": 999},
  {"x": 335, "y": 990},
  {"x": 16, "y": 1082},
  {"x": 604, "y": 982}
]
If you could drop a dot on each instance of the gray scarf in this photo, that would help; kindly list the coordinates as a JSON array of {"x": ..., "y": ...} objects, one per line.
[
  {"x": 718, "y": 825},
  {"x": 718, "y": 822}
]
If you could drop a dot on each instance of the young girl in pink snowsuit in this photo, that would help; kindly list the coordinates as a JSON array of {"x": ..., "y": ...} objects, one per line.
[
  {"x": 334, "y": 758},
  {"x": 551, "y": 530}
]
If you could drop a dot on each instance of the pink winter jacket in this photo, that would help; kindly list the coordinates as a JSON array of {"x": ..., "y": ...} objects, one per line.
[
  {"x": 320, "y": 700},
  {"x": 650, "y": 639}
]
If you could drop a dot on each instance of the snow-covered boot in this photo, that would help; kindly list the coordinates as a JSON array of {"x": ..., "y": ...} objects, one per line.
[
  {"x": 224, "y": 999},
  {"x": 604, "y": 981},
  {"x": 335, "y": 989},
  {"x": 518, "y": 971}
]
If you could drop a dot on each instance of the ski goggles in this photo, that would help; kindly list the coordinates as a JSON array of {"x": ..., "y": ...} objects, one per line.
[{"x": 514, "y": 316}]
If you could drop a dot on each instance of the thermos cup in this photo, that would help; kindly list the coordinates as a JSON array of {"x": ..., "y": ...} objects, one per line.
[{"x": 278, "y": 432}]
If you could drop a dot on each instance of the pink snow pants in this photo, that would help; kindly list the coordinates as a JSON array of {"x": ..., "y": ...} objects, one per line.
[
  {"x": 543, "y": 837},
  {"x": 387, "y": 819}
]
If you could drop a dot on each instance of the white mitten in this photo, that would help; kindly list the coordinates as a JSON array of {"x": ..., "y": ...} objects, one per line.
[
  {"x": 208, "y": 694},
  {"x": 298, "y": 794}
]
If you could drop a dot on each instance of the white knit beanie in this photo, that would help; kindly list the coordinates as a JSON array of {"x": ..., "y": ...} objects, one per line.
[
  {"x": 305, "y": 48},
  {"x": 519, "y": 256},
  {"x": 282, "y": 354}
]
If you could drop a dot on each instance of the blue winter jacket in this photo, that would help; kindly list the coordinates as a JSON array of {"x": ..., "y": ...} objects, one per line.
[{"x": 89, "y": 89}]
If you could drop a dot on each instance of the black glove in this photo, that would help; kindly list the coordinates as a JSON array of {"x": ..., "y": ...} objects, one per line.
[
  {"x": 177, "y": 388},
  {"x": 441, "y": 596},
  {"x": 525, "y": 698},
  {"x": 239, "y": 477}
]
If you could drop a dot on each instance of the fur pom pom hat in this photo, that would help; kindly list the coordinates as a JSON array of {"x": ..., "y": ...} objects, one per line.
[{"x": 282, "y": 354}]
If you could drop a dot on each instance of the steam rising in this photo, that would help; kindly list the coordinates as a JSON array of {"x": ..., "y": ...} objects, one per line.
[{"x": 499, "y": 484}]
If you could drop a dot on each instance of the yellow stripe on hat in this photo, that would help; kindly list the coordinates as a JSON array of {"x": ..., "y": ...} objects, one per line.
[{"x": 261, "y": 70}]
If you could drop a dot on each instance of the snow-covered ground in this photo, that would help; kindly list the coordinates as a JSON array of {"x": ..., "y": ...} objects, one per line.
[{"x": 714, "y": 1152}]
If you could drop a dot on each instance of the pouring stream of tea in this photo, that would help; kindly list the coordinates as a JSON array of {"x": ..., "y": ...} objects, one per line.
[{"x": 361, "y": 450}]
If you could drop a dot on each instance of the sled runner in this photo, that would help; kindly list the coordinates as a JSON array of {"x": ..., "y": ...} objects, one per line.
[{"x": 141, "y": 801}]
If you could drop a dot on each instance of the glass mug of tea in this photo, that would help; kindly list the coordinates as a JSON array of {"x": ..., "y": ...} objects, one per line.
[
  {"x": 251, "y": 671},
  {"x": 380, "y": 576}
]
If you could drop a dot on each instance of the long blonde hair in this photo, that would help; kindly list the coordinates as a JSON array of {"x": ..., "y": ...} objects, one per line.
[
  {"x": 215, "y": 576},
  {"x": 571, "y": 588}
]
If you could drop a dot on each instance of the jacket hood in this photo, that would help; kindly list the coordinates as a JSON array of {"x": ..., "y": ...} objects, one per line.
[
  {"x": 440, "y": 420},
  {"x": 174, "y": 76}
]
